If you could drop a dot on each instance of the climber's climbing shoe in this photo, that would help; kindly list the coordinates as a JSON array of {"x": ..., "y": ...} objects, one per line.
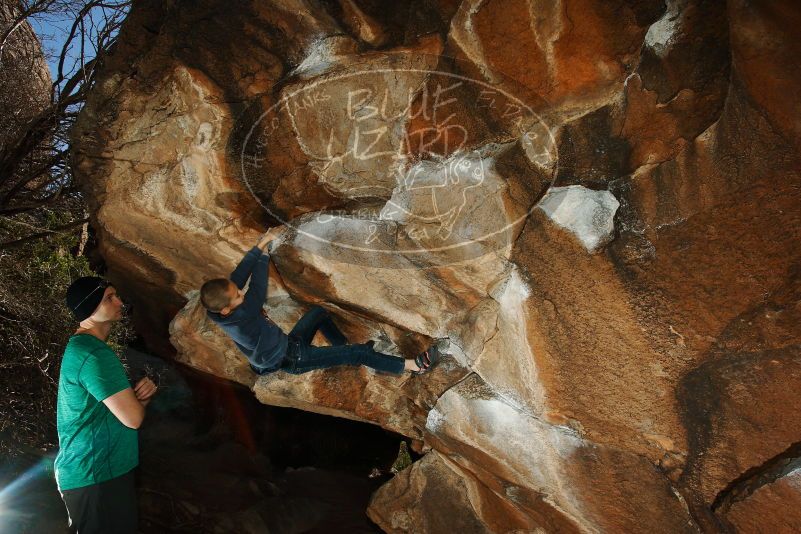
[{"x": 427, "y": 360}]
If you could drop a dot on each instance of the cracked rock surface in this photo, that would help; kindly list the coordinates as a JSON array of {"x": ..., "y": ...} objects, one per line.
[{"x": 592, "y": 208}]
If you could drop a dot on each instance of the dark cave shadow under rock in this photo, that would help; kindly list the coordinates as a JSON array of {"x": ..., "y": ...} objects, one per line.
[{"x": 202, "y": 472}]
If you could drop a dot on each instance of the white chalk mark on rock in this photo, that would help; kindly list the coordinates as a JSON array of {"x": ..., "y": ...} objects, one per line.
[{"x": 588, "y": 214}]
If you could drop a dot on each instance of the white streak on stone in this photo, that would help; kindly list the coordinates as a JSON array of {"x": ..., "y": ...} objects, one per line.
[
  {"x": 318, "y": 60},
  {"x": 662, "y": 31},
  {"x": 464, "y": 35},
  {"x": 546, "y": 22},
  {"x": 534, "y": 453},
  {"x": 513, "y": 292},
  {"x": 450, "y": 347},
  {"x": 434, "y": 420},
  {"x": 588, "y": 214}
]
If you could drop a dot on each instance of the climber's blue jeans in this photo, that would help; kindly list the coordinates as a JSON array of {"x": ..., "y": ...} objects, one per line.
[{"x": 302, "y": 356}]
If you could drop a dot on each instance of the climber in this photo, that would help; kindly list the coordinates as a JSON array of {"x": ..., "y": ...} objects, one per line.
[
  {"x": 268, "y": 348},
  {"x": 97, "y": 417}
]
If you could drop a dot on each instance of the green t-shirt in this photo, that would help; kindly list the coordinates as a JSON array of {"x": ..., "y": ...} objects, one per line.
[{"x": 94, "y": 446}]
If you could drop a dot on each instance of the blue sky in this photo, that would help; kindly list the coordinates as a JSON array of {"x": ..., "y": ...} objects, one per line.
[{"x": 52, "y": 30}]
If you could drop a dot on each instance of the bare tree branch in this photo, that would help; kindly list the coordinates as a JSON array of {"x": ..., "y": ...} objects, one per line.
[{"x": 35, "y": 160}]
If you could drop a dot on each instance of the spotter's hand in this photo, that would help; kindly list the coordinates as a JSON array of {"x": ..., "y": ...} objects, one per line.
[{"x": 144, "y": 390}]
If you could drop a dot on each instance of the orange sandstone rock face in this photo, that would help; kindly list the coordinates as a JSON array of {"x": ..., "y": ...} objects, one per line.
[
  {"x": 766, "y": 510},
  {"x": 592, "y": 207},
  {"x": 437, "y": 495}
]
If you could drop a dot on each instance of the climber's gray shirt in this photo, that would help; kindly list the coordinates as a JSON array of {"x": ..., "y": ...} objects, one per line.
[{"x": 261, "y": 340}]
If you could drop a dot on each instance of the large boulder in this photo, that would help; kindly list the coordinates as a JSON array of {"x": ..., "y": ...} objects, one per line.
[
  {"x": 592, "y": 208},
  {"x": 437, "y": 495}
]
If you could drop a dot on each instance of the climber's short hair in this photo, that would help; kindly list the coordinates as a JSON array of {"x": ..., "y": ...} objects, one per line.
[{"x": 214, "y": 294}]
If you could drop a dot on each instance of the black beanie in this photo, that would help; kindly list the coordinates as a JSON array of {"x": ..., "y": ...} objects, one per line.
[{"x": 84, "y": 296}]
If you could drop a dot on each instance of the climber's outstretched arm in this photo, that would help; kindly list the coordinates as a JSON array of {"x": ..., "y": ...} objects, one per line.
[
  {"x": 257, "y": 292},
  {"x": 242, "y": 272}
]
